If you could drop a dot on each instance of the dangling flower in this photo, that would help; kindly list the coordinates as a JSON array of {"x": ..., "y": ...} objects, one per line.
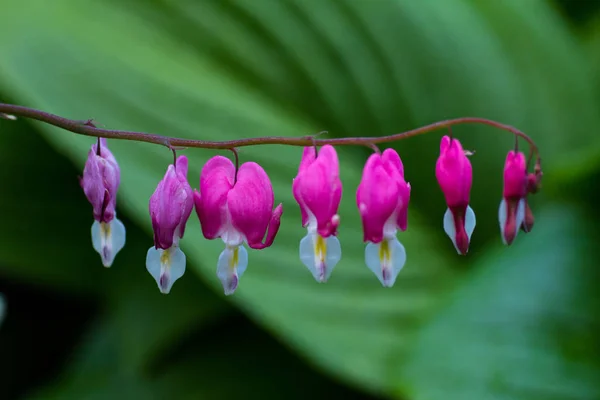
[
  {"x": 454, "y": 174},
  {"x": 100, "y": 181},
  {"x": 237, "y": 210},
  {"x": 170, "y": 207},
  {"x": 513, "y": 206},
  {"x": 318, "y": 190},
  {"x": 382, "y": 198}
]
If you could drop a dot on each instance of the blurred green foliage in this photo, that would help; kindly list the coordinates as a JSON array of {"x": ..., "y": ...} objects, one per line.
[{"x": 504, "y": 323}]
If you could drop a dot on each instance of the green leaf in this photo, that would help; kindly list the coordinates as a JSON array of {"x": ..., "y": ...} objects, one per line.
[
  {"x": 522, "y": 325},
  {"x": 230, "y": 69}
]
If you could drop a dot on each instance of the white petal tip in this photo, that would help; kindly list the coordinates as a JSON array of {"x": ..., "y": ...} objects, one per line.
[
  {"x": 165, "y": 266},
  {"x": 386, "y": 260},
  {"x": 230, "y": 285},
  {"x": 108, "y": 239},
  {"x": 320, "y": 255},
  {"x": 230, "y": 268}
]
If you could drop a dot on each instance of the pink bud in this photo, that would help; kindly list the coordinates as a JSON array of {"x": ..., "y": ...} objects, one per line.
[
  {"x": 513, "y": 206},
  {"x": 455, "y": 175},
  {"x": 237, "y": 211},
  {"x": 171, "y": 205},
  {"x": 529, "y": 220},
  {"x": 382, "y": 198},
  {"x": 318, "y": 190},
  {"x": 100, "y": 181}
]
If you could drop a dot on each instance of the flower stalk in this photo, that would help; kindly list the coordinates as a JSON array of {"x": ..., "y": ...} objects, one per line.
[{"x": 236, "y": 202}]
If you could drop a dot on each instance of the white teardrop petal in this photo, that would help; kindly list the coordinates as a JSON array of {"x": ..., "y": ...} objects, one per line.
[
  {"x": 502, "y": 216},
  {"x": 320, "y": 255},
  {"x": 232, "y": 263},
  {"x": 372, "y": 260},
  {"x": 398, "y": 257},
  {"x": 334, "y": 254},
  {"x": 108, "y": 239},
  {"x": 469, "y": 222},
  {"x": 386, "y": 260},
  {"x": 165, "y": 266}
]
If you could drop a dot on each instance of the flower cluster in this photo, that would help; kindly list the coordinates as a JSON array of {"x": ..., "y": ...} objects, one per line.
[{"x": 237, "y": 206}]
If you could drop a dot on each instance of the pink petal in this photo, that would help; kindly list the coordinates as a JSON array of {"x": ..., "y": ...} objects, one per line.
[
  {"x": 216, "y": 181},
  {"x": 309, "y": 155},
  {"x": 454, "y": 173},
  {"x": 274, "y": 224},
  {"x": 376, "y": 198},
  {"x": 318, "y": 190},
  {"x": 250, "y": 204},
  {"x": 171, "y": 205},
  {"x": 402, "y": 211},
  {"x": 392, "y": 162},
  {"x": 515, "y": 176}
]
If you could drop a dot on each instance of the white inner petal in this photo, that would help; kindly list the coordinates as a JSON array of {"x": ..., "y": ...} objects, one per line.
[
  {"x": 231, "y": 236},
  {"x": 469, "y": 222},
  {"x": 108, "y": 239},
  {"x": 232, "y": 263},
  {"x": 320, "y": 255},
  {"x": 165, "y": 266},
  {"x": 386, "y": 260},
  {"x": 449, "y": 228},
  {"x": 520, "y": 217},
  {"x": 502, "y": 218}
]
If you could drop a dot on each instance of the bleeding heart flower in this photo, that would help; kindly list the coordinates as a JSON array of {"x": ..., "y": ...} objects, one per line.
[
  {"x": 455, "y": 175},
  {"x": 170, "y": 207},
  {"x": 382, "y": 199},
  {"x": 318, "y": 190},
  {"x": 513, "y": 207},
  {"x": 100, "y": 181},
  {"x": 237, "y": 211}
]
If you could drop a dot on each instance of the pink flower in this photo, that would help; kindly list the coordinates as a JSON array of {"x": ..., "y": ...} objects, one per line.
[
  {"x": 455, "y": 175},
  {"x": 100, "y": 181},
  {"x": 236, "y": 211},
  {"x": 382, "y": 198},
  {"x": 513, "y": 206},
  {"x": 170, "y": 207},
  {"x": 318, "y": 190}
]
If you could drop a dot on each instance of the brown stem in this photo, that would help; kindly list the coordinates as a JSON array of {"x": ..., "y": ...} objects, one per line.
[{"x": 84, "y": 129}]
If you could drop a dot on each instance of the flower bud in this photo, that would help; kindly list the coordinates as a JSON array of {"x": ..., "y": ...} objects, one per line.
[
  {"x": 511, "y": 213},
  {"x": 100, "y": 182},
  {"x": 170, "y": 207},
  {"x": 455, "y": 175}
]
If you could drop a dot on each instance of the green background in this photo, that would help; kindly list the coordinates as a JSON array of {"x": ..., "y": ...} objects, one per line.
[{"x": 502, "y": 323}]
